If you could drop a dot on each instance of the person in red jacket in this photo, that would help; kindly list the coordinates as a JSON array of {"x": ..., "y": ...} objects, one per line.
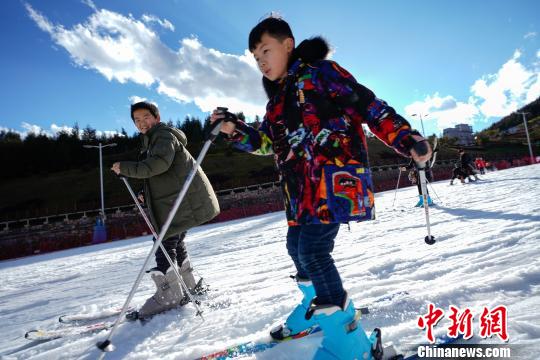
[
  {"x": 313, "y": 128},
  {"x": 480, "y": 165}
]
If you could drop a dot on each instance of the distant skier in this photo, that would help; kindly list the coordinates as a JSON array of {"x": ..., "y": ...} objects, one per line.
[
  {"x": 414, "y": 179},
  {"x": 164, "y": 165},
  {"x": 467, "y": 164},
  {"x": 480, "y": 165},
  {"x": 313, "y": 128},
  {"x": 458, "y": 173}
]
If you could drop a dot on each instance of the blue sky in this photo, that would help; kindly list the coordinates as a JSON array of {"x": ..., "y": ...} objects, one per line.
[{"x": 85, "y": 61}]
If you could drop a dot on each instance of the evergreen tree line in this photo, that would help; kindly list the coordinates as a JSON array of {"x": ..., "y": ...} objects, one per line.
[{"x": 42, "y": 154}]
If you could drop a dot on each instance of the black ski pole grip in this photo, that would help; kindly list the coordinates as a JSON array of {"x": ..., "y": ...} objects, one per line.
[
  {"x": 229, "y": 117},
  {"x": 215, "y": 127}
]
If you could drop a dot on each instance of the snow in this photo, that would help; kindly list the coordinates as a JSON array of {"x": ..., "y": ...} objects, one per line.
[{"x": 487, "y": 254}]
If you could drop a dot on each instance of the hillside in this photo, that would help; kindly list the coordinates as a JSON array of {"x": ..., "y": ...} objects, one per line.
[{"x": 511, "y": 127}]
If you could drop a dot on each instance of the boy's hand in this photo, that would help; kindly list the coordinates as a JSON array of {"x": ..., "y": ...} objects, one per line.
[
  {"x": 227, "y": 127},
  {"x": 425, "y": 155},
  {"x": 116, "y": 168}
]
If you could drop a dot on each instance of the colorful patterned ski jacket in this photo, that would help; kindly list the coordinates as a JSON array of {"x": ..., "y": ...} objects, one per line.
[{"x": 317, "y": 113}]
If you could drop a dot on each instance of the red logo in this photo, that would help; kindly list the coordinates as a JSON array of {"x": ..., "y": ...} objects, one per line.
[
  {"x": 429, "y": 320},
  {"x": 492, "y": 322},
  {"x": 462, "y": 323}
]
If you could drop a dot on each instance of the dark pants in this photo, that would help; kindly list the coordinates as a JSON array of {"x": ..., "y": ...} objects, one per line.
[
  {"x": 176, "y": 249},
  {"x": 309, "y": 247}
]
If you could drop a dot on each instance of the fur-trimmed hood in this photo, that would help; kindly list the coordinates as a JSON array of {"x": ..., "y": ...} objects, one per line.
[{"x": 309, "y": 50}]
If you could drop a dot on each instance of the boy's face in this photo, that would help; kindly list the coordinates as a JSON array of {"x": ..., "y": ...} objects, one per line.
[
  {"x": 144, "y": 120},
  {"x": 272, "y": 56}
]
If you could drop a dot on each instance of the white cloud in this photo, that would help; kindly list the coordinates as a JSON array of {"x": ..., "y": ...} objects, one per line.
[
  {"x": 41, "y": 21},
  {"x": 494, "y": 95},
  {"x": 445, "y": 111},
  {"x": 530, "y": 35},
  {"x": 54, "y": 130},
  {"x": 124, "y": 49},
  {"x": 5, "y": 129},
  {"x": 154, "y": 19},
  {"x": 90, "y": 4},
  {"x": 107, "y": 133},
  {"x": 135, "y": 99},
  {"x": 511, "y": 87},
  {"x": 33, "y": 129}
]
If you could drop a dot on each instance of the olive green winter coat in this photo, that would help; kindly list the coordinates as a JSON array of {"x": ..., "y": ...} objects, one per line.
[{"x": 165, "y": 170}]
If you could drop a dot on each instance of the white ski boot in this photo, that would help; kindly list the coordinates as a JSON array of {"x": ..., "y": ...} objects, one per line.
[{"x": 168, "y": 294}]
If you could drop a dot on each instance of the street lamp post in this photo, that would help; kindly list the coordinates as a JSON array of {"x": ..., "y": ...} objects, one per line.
[
  {"x": 100, "y": 146},
  {"x": 527, "y": 132},
  {"x": 421, "y": 122}
]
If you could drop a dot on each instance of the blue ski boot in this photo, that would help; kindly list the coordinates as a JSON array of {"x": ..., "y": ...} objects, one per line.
[
  {"x": 297, "y": 322},
  {"x": 344, "y": 338},
  {"x": 420, "y": 202},
  {"x": 429, "y": 201}
]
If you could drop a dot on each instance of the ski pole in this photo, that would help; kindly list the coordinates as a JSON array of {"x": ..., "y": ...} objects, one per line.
[
  {"x": 106, "y": 345},
  {"x": 397, "y": 186},
  {"x": 429, "y": 239},
  {"x": 421, "y": 149},
  {"x": 175, "y": 269},
  {"x": 433, "y": 189}
]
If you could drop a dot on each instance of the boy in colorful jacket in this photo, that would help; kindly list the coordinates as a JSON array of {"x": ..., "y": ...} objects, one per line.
[{"x": 313, "y": 127}]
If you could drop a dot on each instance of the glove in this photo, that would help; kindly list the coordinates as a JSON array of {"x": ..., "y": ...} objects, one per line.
[{"x": 140, "y": 196}]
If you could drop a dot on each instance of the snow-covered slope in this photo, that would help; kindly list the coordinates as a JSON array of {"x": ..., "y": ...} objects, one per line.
[{"x": 487, "y": 254}]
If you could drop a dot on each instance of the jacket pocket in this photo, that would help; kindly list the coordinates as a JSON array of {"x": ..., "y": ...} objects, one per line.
[{"x": 348, "y": 192}]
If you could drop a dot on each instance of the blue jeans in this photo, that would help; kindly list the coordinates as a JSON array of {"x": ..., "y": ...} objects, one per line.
[{"x": 309, "y": 247}]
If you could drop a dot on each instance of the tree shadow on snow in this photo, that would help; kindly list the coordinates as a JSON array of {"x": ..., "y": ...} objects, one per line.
[
  {"x": 483, "y": 214},
  {"x": 495, "y": 180}
]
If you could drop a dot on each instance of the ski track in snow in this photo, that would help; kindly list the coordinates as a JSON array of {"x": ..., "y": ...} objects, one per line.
[{"x": 487, "y": 254}]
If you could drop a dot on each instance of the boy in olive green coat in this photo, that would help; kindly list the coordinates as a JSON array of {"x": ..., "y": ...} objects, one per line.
[{"x": 165, "y": 165}]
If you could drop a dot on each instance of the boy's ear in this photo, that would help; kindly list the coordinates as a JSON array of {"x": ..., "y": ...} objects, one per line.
[{"x": 289, "y": 43}]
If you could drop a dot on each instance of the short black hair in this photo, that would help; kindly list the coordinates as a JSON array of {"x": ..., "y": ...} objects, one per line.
[
  {"x": 274, "y": 26},
  {"x": 145, "y": 105}
]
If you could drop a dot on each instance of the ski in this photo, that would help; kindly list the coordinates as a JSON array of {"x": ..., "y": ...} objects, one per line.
[
  {"x": 51, "y": 334},
  {"x": 80, "y": 317},
  {"x": 72, "y": 328},
  {"x": 250, "y": 347}
]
